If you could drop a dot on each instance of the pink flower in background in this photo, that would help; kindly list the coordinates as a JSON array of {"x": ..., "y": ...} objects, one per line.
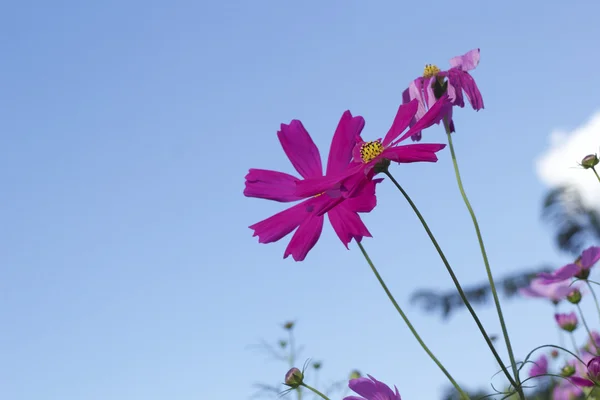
[
  {"x": 540, "y": 367},
  {"x": 566, "y": 391},
  {"x": 567, "y": 322},
  {"x": 454, "y": 81},
  {"x": 579, "y": 269},
  {"x": 555, "y": 292},
  {"x": 306, "y": 159},
  {"x": 371, "y": 389},
  {"x": 590, "y": 375},
  {"x": 366, "y": 155}
]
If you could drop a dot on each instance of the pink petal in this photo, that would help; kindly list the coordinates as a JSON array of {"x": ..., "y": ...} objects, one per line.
[
  {"x": 281, "y": 224},
  {"x": 466, "y": 62},
  {"x": 344, "y": 139},
  {"x": 305, "y": 238},
  {"x": 590, "y": 256},
  {"x": 561, "y": 274},
  {"x": 300, "y": 149},
  {"x": 365, "y": 200},
  {"x": 347, "y": 224},
  {"x": 413, "y": 153},
  {"x": 433, "y": 116},
  {"x": 581, "y": 381},
  {"x": 405, "y": 114},
  {"x": 271, "y": 185},
  {"x": 313, "y": 186}
]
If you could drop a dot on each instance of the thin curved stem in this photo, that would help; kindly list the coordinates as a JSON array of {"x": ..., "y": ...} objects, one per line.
[
  {"x": 486, "y": 262},
  {"x": 315, "y": 391},
  {"x": 586, "y": 327},
  {"x": 410, "y": 326},
  {"x": 596, "y": 173},
  {"x": 594, "y": 296},
  {"x": 453, "y": 276}
]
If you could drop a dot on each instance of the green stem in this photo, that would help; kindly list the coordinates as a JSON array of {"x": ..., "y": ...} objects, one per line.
[
  {"x": 293, "y": 361},
  {"x": 315, "y": 391},
  {"x": 587, "y": 328},
  {"x": 594, "y": 296},
  {"x": 453, "y": 276},
  {"x": 405, "y": 318},
  {"x": 595, "y": 172},
  {"x": 486, "y": 262}
]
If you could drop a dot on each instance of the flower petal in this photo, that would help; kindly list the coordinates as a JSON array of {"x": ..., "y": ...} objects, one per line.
[
  {"x": 343, "y": 142},
  {"x": 347, "y": 224},
  {"x": 313, "y": 186},
  {"x": 305, "y": 237},
  {"x": 365, "y": 200},
  {"x": 561, "y": 274},
  {"x": 433, "y": 116},
  {"x": 467, "y": 61},
  {"x": 590, "y": 256},
  {"x": 404, "y": 116},
  {"x": 413, "y": 152},
  {"x": 300, "y": 149},
  {"x": 281, "y": 224},
  {"x": 271, "y": 185},
  {"x": 581, "y": 381}
]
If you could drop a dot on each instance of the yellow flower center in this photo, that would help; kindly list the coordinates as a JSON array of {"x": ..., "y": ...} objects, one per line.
[
  {"x": 430, "y": 70},
  {"x": 370, "y": 150}
]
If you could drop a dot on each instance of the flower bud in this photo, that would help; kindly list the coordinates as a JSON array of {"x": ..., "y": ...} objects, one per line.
[
  {"x": 574, "y": 297},
  {"x": 282, "y": 344},
  {"x": 590, "y": 161},
  {"x": 355, "y": 374},
  {"x": 317, "y": 364},
  {"x": 294, "y": 378},
  {"x": 288, "y": 325},
  {"x": 593, "y": 368},
  {"x": 554, "y": 353},
  {"x": 567, "y": 370},
  {"x": 567, "y": 322}
]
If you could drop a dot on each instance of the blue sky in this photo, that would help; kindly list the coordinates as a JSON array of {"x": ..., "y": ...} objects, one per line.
[{"x": 127, "y": 268}]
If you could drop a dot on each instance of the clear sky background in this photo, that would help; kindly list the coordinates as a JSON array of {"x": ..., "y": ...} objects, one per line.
[{"x": 127, "y": 270}]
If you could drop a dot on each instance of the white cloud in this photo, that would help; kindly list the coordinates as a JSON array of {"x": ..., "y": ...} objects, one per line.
[{"x": 558, "y": 163}]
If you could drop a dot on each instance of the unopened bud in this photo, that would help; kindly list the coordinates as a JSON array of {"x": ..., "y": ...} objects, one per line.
[
  {"x": 317, "y": 364},
  {"x": 554, "y": 353},
  {"x": 288, "y": 325},
  {"x": 590, "y": 161},
  {"x": 355, "y": 374},
  {"x": 294, "y": 378},
  {"x": 282, "y": 344},
  {"x": 574, "y": 297},
  {"x": 567, "y": 370}
]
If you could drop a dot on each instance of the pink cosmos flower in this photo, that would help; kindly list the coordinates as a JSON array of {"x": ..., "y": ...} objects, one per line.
[
  {"x": 371, "y": 389},
  {"x": 434, "y": 83},
  {"x": 566, "y": 391},
  {"x": 567, "y": 322},
  {"x": 366, "y": 155},
  {"x": 580, "y": 268},
  {"x": 540, "y": 367},
  {"x": 306, "y": 159},
  {"x": 555, "y": 291},
  {"x": 590, "y": 375}
]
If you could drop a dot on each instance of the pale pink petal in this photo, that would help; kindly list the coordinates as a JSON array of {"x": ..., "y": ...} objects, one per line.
[
  {"x": 300, "y": 149},
  {"x": 344, "y": 140},
  {"x": 271, "y": 185},
  {"x": 561, "y": 274},
  {"x": 467, "y": 61},
  {"x": 590, "y": 256},
  {"x": 305, "y": 237}
]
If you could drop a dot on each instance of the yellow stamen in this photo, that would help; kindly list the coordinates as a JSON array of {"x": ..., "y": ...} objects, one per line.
[
  {"x": 430, "y": 70},
  {"x": 319, "y": 194},
  {"x": 370, "y": 150}
]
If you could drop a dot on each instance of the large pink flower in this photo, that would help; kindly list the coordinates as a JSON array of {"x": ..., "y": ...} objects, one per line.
[
  {"x": 367, "y": 155},
  {"x": 579, "y": 269},
  {"x": 434, "y": 83},
  {"x": 306, "y": 159}
]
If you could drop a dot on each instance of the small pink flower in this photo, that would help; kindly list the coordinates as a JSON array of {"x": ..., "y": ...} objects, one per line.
[
  {"x": 540, "y": 367},
  {"x": 567, "y": 322},
  {"x": 371, "y": 389},
  {"x": 579, "y": 269},
  {"x": 554, "y": 292}
]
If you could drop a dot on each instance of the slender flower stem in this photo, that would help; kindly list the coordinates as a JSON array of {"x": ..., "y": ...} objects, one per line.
[
  {"x": 405, "y": 318},
  {"x": 596, "y": 173},
  {"x": 315, "y": 391},
  {"x": 594, "y": 296},
  {"x": 453, "y": 276},
  {"x": 574, "y": 343},
  {"x": 587, "y": 328},
  {"x": 511, "y": 355},
  {"x": 293, "y": 360}
]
